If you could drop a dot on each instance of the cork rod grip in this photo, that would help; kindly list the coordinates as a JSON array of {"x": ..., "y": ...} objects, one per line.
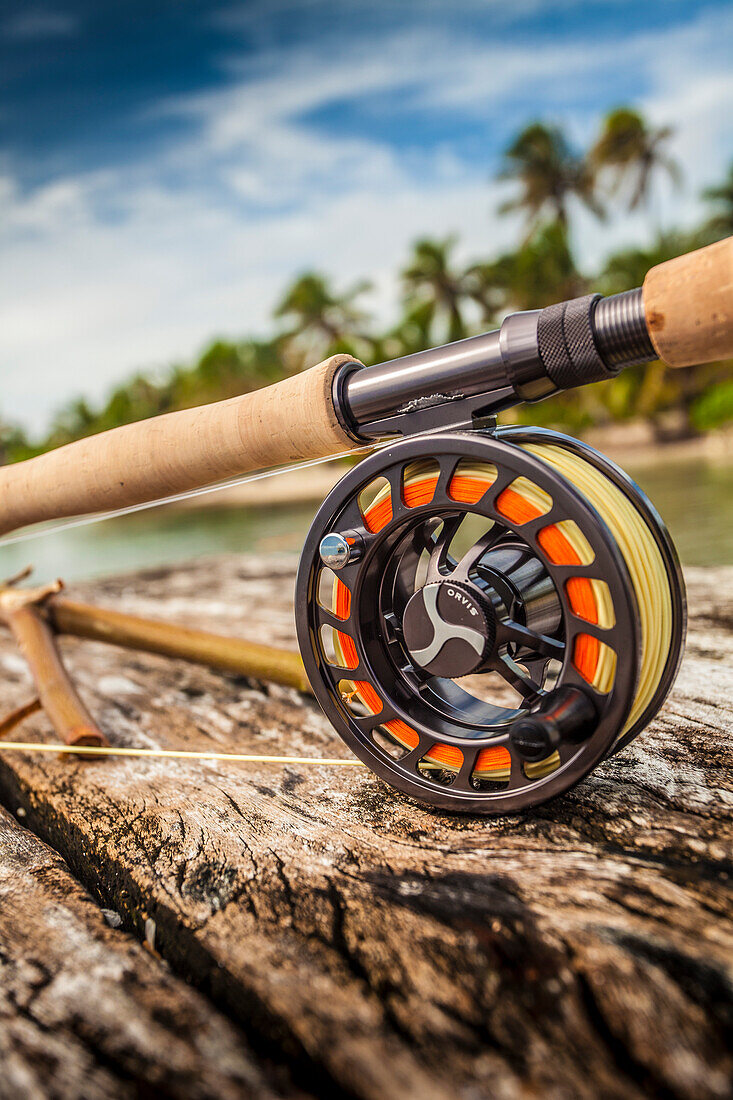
[
  {"x": 688, "y": 303},
  {"x": 290, "y": 421}
]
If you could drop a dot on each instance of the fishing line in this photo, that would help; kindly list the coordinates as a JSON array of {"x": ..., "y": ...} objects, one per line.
[
  {"x": 54, "y": 526},
  {"x": 643, "y": 560},
  {"x": 172, "y": 754},
  {"x": 100, "y": 517},
  {"x": 563, "y": 542}
]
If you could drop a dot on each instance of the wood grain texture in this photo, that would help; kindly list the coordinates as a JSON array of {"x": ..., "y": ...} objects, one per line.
[
  {"x": 688, "y": 304},
  {"x": 290, "y": 421},
  {"x": 85, "y": 1011},
  {"x": 582, "y": 950}
]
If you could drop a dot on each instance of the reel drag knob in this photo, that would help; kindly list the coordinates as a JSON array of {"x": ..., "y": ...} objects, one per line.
[{"x": 448, "y": 629}]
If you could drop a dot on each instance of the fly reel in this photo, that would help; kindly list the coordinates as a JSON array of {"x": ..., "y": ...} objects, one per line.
[{"x": 485, "y": 616}]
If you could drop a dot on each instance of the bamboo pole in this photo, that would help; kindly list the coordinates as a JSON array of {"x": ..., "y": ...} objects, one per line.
[
  {"x": 36, "y": 616},
  {"x": 262, "y": 662},
  {"x": 10, "y": 721},
  {"x": 21, "y": 612}
]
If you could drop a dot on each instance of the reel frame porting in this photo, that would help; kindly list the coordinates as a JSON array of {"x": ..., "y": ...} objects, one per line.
[{"x": 375, "y": 669}]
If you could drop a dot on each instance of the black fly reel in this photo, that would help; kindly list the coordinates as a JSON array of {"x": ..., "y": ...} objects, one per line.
[{"x": 485, "y": 616}]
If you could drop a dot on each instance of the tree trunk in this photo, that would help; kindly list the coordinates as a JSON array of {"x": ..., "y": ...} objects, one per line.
[{"x": 365, "y": 946}]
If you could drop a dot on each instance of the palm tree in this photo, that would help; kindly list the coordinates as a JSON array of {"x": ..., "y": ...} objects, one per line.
[
  {"x": 486, "y": 286},
  {"x": 14, "y": 444},
  {"x": 410, "y": 334},
  {"x": 138, "y": 399},
  {"x": 633, "y": 152},
  {"x": 721, "y": 223},
  {"x": 629, "y": 266},
  {"x": 539, "y": 273},
  {"x": 430, "y": 280},
  {"x": 550, "y": 174},
  {"x": 319, "y": 314},
  {"x": 75, "y": 421}
]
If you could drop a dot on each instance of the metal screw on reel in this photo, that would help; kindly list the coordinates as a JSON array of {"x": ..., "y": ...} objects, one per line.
[{"x": 412, "y": 647}]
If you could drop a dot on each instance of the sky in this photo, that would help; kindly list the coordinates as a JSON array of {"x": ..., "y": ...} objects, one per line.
[{"x": 166, "y": 167}]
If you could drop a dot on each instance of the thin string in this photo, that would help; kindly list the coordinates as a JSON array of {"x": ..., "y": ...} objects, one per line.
[
  {"x": 172, "y": 754},
  {"x": 38, "y": 531}
]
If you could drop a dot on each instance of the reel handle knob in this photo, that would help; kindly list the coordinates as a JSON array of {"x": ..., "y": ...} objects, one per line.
[{"x": 567, "y": 714}]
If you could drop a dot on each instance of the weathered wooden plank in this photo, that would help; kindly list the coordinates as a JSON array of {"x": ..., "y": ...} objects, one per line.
[
  {"x": 85, "y": 1011},
  {"x": 584, "y": 949}
]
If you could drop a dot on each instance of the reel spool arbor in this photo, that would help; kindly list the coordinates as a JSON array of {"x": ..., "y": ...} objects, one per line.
[{"x": 485, "y": 616}]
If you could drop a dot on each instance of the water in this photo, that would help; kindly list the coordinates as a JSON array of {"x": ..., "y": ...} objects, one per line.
[
  {"x": 161, "y": 536},
  {"x": 695, "y": 500},
  {"x": 694, "y": 497}
]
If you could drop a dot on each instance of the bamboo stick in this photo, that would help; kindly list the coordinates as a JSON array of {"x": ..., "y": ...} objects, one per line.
[
  {"x": 36, "y": 616},
  {"x": 10, "y": 721},
  {"x": 280, "y": 666},
  {"x": 23, "y": 616}
]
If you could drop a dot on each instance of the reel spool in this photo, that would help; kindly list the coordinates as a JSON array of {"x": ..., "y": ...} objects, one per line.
[{"x": 485, "y": 616}]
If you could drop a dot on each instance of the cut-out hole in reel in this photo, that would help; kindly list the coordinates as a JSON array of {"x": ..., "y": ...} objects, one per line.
[
  {"x": 375, "y": 504},
  {"x": 501, "y": 618}
]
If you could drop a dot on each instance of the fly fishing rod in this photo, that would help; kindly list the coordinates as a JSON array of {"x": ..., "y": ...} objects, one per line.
[{"x": 483, "y": 613}]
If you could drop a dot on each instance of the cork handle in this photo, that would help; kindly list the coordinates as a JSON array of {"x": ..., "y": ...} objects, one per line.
[
  {"x": 290, "y": 421},
  {"x": 688, "y": 303}
]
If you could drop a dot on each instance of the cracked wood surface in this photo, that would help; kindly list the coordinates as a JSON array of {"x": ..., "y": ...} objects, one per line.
[
  {"x": 86, "y": 1008},
  {"x": 379, "y": 949}
]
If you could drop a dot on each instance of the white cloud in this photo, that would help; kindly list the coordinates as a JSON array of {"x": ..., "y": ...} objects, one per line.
[{"x": 119, "y": 270}]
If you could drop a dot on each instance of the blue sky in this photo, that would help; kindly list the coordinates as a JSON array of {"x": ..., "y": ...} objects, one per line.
[{"x": 165, "y": 167}]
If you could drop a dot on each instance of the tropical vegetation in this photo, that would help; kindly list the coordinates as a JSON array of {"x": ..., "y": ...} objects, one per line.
[{"x": 445, "y": 300}]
